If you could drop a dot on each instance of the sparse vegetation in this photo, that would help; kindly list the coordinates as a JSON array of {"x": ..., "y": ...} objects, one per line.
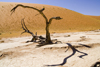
[
  {"x": 0, "y": 33},
  {"x": 2, "y": 6}
]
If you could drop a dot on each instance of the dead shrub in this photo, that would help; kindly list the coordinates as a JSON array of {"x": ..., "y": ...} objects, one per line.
[
  {"x": 2, "y": 41},
  {"x": 67, "y": 36}
]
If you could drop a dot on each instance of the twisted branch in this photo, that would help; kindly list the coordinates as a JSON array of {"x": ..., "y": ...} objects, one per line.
[{"x": 40, "y": 11}]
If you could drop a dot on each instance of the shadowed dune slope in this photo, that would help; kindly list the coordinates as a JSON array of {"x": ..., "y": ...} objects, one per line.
[{"x": 72, "y": 21}]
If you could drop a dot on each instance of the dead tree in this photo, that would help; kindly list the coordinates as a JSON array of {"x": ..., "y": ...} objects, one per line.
[{"x": 48, "y": 38}]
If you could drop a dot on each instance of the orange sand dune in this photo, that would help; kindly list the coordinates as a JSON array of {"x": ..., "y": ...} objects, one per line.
[{"x": 72, "y": 21}]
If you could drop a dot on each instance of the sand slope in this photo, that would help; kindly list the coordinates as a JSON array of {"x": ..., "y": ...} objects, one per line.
[
  {"x": 96, "y": 17},
  {"x": 72, "y": 21}
]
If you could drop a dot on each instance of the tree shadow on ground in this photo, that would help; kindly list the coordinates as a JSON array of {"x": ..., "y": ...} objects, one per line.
[{"x": 74, "y": 51}]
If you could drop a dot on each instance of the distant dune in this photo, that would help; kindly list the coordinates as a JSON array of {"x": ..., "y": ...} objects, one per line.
[{"x": 72, "y": 21}]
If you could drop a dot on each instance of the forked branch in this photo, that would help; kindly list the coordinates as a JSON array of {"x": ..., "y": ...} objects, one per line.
[{"x": 25, "y": 28}]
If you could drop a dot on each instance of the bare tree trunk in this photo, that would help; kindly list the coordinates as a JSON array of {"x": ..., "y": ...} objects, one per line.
[{"x": 48, "y": 38}]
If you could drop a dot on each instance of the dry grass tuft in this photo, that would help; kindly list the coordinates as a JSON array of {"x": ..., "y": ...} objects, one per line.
[{"x": 2, "y": 41}]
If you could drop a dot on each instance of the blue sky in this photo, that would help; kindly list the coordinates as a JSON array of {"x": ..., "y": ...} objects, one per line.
[{"x": 87, "y": 7}]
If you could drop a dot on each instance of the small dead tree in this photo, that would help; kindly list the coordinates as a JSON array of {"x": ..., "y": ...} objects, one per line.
[
  {"x": 48, "y": 38},
  {"x": 35, "y": 37},
  {"x": 40, "y": 39}
]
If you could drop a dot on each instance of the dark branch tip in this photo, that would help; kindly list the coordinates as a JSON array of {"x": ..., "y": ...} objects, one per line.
[
  {"x": 42, "y": 9},
  {"x": 58, "y": 18}
]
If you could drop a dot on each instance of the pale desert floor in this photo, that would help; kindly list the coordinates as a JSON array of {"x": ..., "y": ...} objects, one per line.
[{"x": 80, "y": 49}]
